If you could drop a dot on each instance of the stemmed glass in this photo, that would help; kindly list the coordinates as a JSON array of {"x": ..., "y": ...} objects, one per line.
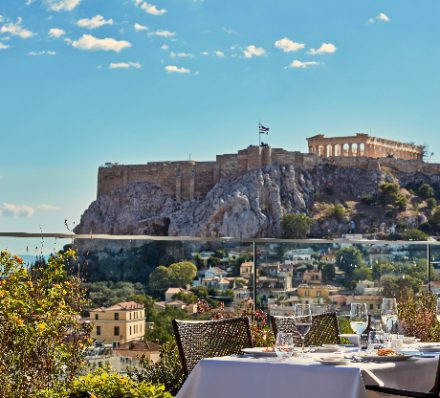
[
  {"x": 389, "y": 314},
  {"x": 284, "y": 345},
  {"x": 358, "y": 319},
  {"x": 302, "y": 317}
]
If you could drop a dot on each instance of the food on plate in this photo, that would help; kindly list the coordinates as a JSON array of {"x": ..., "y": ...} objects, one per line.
[
  {"x": 386, "y": 352},
  {"x": 268, "y": 349}
]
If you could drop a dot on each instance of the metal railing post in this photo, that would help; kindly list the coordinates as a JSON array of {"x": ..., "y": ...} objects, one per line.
[
  {"x": 254, "y": 275},
  {"x": 428, "y": 260}
]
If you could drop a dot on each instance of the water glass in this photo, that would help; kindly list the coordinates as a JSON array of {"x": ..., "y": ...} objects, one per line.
[
  {"x": 284, "y": 345},
  {"x": 376, "y": 340},
  {"x": 302, "y": 317},
  {"x": 389, "y": 314},
  {"x": 358, "y": 318}
]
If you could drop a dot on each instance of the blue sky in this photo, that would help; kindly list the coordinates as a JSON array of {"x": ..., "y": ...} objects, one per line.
[{"x": 84, "y": 82}]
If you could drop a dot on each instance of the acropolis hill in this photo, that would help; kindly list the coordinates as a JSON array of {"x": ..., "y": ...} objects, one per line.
[{"x": 187, "y": 180}]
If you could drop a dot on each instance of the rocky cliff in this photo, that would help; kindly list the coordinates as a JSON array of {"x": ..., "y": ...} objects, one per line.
[{"x": 253, "y": 204}]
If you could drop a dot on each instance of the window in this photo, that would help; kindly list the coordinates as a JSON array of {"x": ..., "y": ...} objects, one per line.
[
  {"x": 116, "y": 316},
  {"x": 130, "y": 330},
  {"x": 130, "y": 315},
  {"x": 371, "y": 306},
  {"x": 116, "y": 331},
  {"x": 96, "y": 316},
  {"x": 98, "y": 330}
]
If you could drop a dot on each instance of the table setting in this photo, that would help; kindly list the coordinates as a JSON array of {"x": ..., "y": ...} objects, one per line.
[{"x": 385, "y": 358}]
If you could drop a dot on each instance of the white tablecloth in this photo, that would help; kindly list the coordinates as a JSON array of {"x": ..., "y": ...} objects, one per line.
[{"x": 245, "y": 377}]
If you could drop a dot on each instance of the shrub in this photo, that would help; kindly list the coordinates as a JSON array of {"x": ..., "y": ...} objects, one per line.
[
  {"x": 338, "y": 212},
  {"x": 168, "y": 371},
  {"x": 41, "y": 339},
  {"x": 414, "y": 234},
  {"x": 388, "y": 192},
  {"x": 296, "y": 226},
  {"x": 417, "y": 316},
  {"x": 431, "y": 203},
  {"x": 425, "y": 191},
  {"x": 368, "y": 199},
  {"x": 401, "y": 202}
]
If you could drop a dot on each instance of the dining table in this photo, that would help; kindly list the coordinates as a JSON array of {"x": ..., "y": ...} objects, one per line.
[{"x": 253, "y": 376}]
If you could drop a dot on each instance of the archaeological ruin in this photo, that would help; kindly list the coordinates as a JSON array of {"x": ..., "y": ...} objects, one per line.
[{"x": 188, "y": 180}]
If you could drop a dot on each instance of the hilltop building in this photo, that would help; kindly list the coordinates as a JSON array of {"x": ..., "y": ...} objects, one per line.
[{"x": 187, "y": 180}]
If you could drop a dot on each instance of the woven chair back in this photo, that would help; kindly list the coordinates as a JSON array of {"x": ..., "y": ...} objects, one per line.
[
  {"x": 324, "y": 329},
  {"x": 206, "y": 339}
]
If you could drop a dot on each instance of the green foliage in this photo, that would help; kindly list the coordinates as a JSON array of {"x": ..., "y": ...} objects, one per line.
[
  {"x": 168, "y": 371},
  {"x": 362, "y": 273},
  {"x": 347, "y": 259},
  {"x": 338, "y": 211},
  {"x": 401, "y": 201},
  {"x": 163, "y": 330},
  {"x": 414, "y": 234},
  {"x": 388, "y": 193},
  {"x": 176, "y": 275},
  {"x": 41, "y": 339},
  {"x": 296, "y": 226},
  {"x": 187, "y": 298},
  {"x": 431, "y": 203},
  {"x": 399, "y": 286},
  {"x": 328, "y": 272},
  {"x": 417, "y": 316},
  {"x": 425, "y": 191},
  {"x": 368, "y": 199},
  {"x": 106, "y": 293},
  {"x": 105, "y": 384}
]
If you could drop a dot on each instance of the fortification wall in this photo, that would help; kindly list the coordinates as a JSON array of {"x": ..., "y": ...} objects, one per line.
[{"x": 189, "y": 179}]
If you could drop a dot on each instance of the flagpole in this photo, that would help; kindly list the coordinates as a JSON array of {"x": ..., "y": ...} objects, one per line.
[{"x": 259, "y": 135}]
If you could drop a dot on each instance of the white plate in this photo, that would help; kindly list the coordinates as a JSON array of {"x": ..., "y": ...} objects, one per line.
[
  {"x": 259, "y": 351},
  {"x": 325, "y": 349},
  {"x": 383, "y": 358},
  {"x": 333, "y": 361}
]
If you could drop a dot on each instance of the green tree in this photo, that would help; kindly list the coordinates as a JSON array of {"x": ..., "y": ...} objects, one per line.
[
  {"x": 182, "y": 273},
  {"x": 400, "y": 286},
  {"x": 362, "y": 273},
  {"x": 347, "y": 258},
  {"x": 296, "y": 226},
  {"x": 159, "y": 279},
  {"x": 106, "y": 293},
  {"x": 328, "y": 272},
  {"x": 414, "y": 234},
  {"x": 431, "y": 203},
  {"x": 41, "y": 338}
]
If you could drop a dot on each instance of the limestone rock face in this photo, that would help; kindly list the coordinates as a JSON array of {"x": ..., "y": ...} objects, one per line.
[{"x": 251, "y": 205}]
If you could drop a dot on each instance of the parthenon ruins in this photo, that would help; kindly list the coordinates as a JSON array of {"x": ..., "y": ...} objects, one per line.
[{"x": 363, "y": 145}]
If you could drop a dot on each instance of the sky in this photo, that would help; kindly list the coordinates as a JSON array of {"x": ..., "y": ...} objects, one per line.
[{"x": 84, "y": 82}]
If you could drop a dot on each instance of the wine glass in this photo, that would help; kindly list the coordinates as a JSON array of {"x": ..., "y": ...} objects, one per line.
[
  {"x": 389, "y": 314},
  {"x": 375, "y": 340},
  {"x": 358, "y": 319},
  {"x": 284, "y": 345},
  {"x": 437, "y": 309},
  {"x": 302, "y": 317}
]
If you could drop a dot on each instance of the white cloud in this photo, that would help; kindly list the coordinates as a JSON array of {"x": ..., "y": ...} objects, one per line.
[
  {"x": 38, "y": 53},
  {"x": 162, "y": 33},
  {"x": 29, "y": 2},
  {"x": 288, "y": 45},
  {"x": 164, "y": 47},
  {"x": 227, "y": 30},
  {"x": 16, "y": 29},
  {"x": 302, "y": 64},
  {"x": 180, "y": 55},
  {"x": 48, "y": 207},
  {"x": 56, "y": 32},
  {"x": 138, "y": 27},
  {"x": 91, "y": 43},
  {"x": 62, "y": 5},
  {"x": 326, "y": 48},
  {"x": 252, "y": 51},
  {"x": 219, "y": 54},
  {"x": 93, "y": 23},
  {"x": 205, "y": 53},
  {"x": 381, "y": 17},
  {"x": 13, "y": 210},
  {"x": 125, "y": 65},
  {"x": 149, "y": 8},
  {"x": 176, "y": 69},
  {"x": 4, "y": 46}
]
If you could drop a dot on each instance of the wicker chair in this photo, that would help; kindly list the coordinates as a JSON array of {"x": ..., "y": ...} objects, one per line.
[
  {"x": 390, "y": 392},
  {"x": 324, "y": 329},
  {"x": 205, "y": 339}
]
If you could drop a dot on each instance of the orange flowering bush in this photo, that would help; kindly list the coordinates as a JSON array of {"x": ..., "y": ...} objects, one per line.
[{"x": 41, "y": 338}]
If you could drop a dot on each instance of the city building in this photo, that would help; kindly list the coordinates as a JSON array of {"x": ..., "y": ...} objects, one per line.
[{"x": 118, "y": 324}]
